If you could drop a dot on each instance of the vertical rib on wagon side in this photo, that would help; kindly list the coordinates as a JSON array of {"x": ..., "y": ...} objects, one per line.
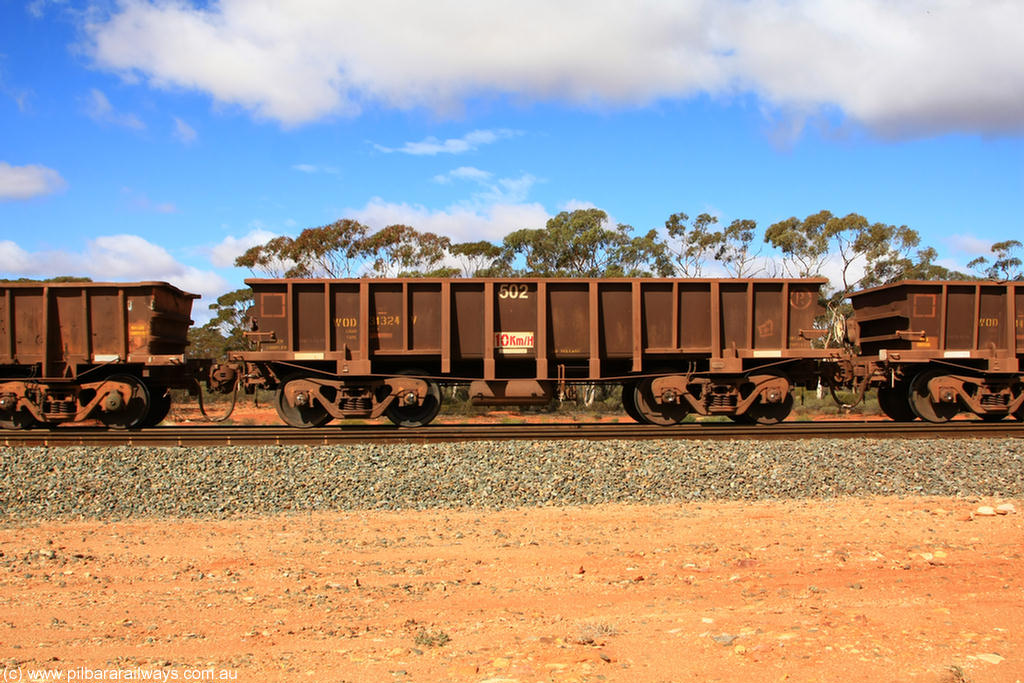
[
  {"x": 367, "y": 347},
  {"x": 80, "y": 350},
  {"x": 937, "y": 348}
]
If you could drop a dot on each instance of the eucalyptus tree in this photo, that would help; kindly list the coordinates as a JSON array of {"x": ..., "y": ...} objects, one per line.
[
  {"x": 854, "y": 252},
  {"x": 347, "y": 248},
  {"x": 583, "y": 243},
  {"x": 1005, "y": 264}
]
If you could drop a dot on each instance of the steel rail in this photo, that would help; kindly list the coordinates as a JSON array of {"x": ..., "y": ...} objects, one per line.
[{"x": 275, "y": 435}]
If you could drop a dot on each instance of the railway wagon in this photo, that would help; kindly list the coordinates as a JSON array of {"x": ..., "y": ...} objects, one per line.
[
  {"x": 372, "y": 347},
  {"x": 90, "y": 350},
  {"x": 938, "y": 348}
]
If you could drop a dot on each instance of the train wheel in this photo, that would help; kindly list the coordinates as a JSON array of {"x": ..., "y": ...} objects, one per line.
[
  {"x": 159, "y": 408},
  {"x": 768, "y": 413},
  {"x": 418, "y": 415},
  {"x": 18, "y": 419},
  {"x": 921, "y": 401},
  {"x": 655, "y": 413},
  {"x": 629, "y": 401},
  {"x": 303, "y": 417},
  {"x": 131, "y": 413},
  {"x": 893, "y": 402}
]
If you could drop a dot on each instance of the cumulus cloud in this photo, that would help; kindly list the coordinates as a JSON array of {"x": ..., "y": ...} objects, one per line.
[
  {"x": 463, "y": 173},
  {"x": 912, "y": 67},
  {"x": 493, "y": 208},
  {"x": 14, "y": 259},
  {"x": 462, "y": 222},
  {"x": 969, "y": 245},
  {"x": 99, "y": 109},
  {"x": 224, "y": 254},
  {"x": 26, "y": 182},
  {"x": 577, "y": 204},
  {"x": 469, "y": 142},
  {"x": 119, "y": 258},
  {"x": 316, "y": 168},
  {"x": 184, "y": 132}
]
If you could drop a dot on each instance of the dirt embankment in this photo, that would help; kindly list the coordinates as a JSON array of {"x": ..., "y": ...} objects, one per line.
[{"x": 846, "y": 589}]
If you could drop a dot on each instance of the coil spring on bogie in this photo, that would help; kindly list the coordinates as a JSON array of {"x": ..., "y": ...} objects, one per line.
[
  {"x": 59, "y": 409},
  {"x": 357, "y": 403},
  {"x": 722, "y": 401},
  {"x": 995, "y": 399}
]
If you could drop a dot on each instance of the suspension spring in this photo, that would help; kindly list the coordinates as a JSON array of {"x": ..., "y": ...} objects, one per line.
[{"x": 357, "y": 403}]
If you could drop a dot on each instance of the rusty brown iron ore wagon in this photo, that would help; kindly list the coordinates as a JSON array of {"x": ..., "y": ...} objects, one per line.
[
  {"x": 368, "y": 348},
  {"x": 935, "y": 349},
  {"x": 365, "y": 348},
  {"x": 89, "y": 350}
]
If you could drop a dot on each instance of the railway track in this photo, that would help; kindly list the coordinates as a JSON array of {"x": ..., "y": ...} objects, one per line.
[{"x": 275, "y": 435}]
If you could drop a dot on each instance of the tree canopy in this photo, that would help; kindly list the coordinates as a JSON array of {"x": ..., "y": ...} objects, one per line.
[
  {"x": 582, "y": 243},
  {"x": 852, "y": 251},
  {"x": 1005, "y": 264},
  {"x": 226, "y": 330},
  {"x": 347, "y": 248}
]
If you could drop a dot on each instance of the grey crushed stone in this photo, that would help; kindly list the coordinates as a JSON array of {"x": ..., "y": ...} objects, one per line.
[{"x": 125, "y": 482}]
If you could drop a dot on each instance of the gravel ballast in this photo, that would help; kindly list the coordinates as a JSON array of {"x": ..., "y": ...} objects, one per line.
[{"x": 125, "y": 482}]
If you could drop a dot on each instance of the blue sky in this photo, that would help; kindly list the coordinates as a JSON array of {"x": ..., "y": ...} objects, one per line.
[{"x": 143, "y": 140}]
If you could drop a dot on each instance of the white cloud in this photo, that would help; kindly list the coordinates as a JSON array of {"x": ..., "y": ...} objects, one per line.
[
  {"x": 26, "y": 182},
  {"x": 463, "y": 173},
  {"x": 495, "y": 208},
  {"x": 469, "y": 142},
  {"x": 316, "y": 168},
  {"x": 37, "y": 8},
  {"x": 14, "y": 259},
  {"x": 119, "y": 258},
  {"x": 184, "y": 132},
  {"x": 969, "y": 245},
  {"x": 224, "y": 254},
  {"x": 99, "y": 109},
  {"x": 577, "y": 204},
  {"x": 461, "y": 222},
  {"x": 911, "y": 67}
]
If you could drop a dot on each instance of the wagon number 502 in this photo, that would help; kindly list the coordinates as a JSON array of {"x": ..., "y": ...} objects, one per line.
[{"x": 513, "y": 292}]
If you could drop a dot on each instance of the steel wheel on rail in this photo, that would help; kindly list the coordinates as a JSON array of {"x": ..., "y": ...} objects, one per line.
[
  {"x": 417, "y": 415},
  {"x": 921, "y": 403},
  {"x": 160, "y": 406},
  {"x": 652, "y": 412},
  {"x": 17, "y": 419},
  {"x": 893, "y": 402},
  {"x": 769, "y": 412},
  {"x": 629, "y": 401},
  {"x": 312, "y": 414},
  {"x": 132, "y": 410}
]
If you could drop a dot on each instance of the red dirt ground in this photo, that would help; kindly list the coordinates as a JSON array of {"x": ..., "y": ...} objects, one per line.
[
  {"x": 245, "y": 413},
  {"x": 849, "y": 589}
]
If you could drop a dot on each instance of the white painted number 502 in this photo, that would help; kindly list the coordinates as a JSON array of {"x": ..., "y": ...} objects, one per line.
[{"x": 513, "y": 292}]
